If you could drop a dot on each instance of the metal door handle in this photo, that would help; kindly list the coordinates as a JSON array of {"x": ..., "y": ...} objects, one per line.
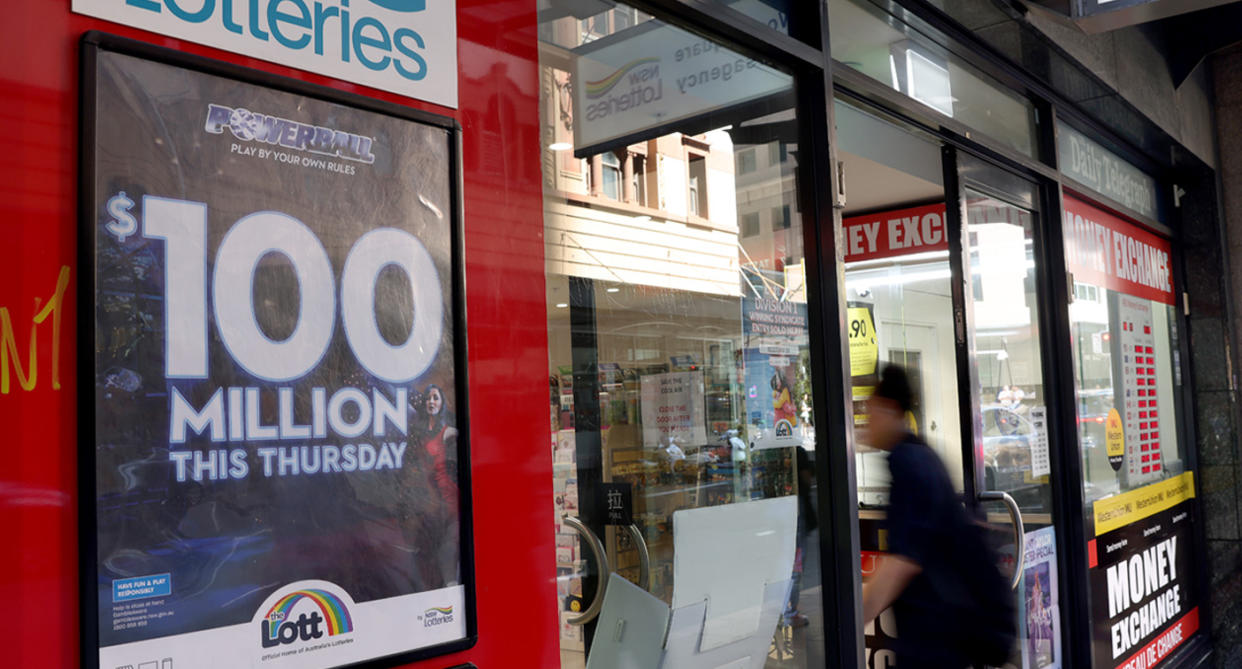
[
  {"x": 1019, "y": 532},
  {"x": 644, "y": 558},
  {"x": 601, "y": 560}
]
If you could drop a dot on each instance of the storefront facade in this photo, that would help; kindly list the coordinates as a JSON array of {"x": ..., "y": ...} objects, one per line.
[{"x": 672, "y": 244}]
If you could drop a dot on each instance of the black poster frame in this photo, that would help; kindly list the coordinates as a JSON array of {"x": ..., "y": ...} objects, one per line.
[{"x": 93, "y": 43}]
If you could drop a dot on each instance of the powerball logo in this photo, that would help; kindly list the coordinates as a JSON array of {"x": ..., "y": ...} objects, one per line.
[
  {"x": 329, "y": 617},
  {"x": 249, "y": 126}
]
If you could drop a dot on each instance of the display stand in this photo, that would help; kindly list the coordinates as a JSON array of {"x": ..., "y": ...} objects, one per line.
[{"x": 731, "y": 579}]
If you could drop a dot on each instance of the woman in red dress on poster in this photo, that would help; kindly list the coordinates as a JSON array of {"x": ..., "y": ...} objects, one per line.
[{"x": 437, "y": 435}]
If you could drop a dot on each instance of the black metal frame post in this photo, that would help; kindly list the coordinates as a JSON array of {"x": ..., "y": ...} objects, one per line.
[{"x": 588, "y": 442}]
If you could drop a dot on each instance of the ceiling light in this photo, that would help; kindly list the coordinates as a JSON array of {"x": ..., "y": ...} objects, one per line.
[
  {"x": 560, "y": 146},
  {"x": 561, "y": 305}
]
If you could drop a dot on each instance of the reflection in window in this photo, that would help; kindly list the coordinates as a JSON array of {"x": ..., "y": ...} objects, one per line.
[
  {"x": 698, "y": 186},
  {"x": 746, "y": 161},
  {"x": 1016, "y": 457},
  {"x": 638, "y": 179},
  {"x": 679, "y": 359},
  {"x": 881, "y": 46}
]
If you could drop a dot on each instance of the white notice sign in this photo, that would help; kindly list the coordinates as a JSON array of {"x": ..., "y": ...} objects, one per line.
[
  {"x": 672, "y": 409},
  {"x": 1041, "y": 463}
]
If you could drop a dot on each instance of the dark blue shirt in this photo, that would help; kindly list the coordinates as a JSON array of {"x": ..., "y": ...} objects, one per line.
[{"x": 923, "y": 517}]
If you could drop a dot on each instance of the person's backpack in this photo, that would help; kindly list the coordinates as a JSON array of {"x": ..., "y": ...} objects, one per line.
[{"x": 981, "y": 597}]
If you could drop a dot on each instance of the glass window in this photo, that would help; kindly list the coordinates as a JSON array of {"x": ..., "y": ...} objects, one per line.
[
  {"x": 1136, "y": 483},
  {"x": 1016, "y": 449},
  {"x": 698, "y": 186},
  {"x": 746, "y": 161},
  {"x": 610, "y": 175},
  {"x": 776, "y": 153},
  {"x": 881, "y": 46},
  {"x": 900, "y": 308},
  {"x": 679, "y": 359},
  {"x": 638, "y": 178},
  {"x": 750, "y": 224},
  {"x": 780, "y": 217}
]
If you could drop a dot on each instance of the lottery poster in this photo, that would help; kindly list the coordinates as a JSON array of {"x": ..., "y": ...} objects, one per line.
[{"x": 278, "y": 422}]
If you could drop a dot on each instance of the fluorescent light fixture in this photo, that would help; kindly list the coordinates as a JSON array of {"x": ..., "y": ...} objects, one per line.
[
  {"x": 561, "y": 305},
  {"x": 642, "y": 218},
  {"x": 560, "y": 146},
  {"x": 614, "y": 290}
]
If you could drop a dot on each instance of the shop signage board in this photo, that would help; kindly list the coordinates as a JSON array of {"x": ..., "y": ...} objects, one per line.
[
  {"x": 407, "y": 47},
  {"x": 275, "y": 444},
  {"x": 632, "y": 84},
  {"x": 1104, "y": 171},
  {"x": 1108, "y": 251},
  {"x": 891, "y": 234}
]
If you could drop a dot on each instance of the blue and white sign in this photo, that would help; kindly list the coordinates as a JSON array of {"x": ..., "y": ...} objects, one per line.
[{"x": 407, "y": 47}]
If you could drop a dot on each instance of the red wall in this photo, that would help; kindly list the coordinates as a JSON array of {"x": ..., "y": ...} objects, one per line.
[{"x": 498, "y": 90}]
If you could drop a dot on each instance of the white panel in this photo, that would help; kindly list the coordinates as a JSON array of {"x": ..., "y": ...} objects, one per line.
[{"x": 727, "y": 555}]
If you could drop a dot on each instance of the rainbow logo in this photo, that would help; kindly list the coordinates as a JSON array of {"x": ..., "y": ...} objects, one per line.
[
  {"x": 442, "y": 610},
  {"x": 595, "y": 89},
  {"x": 334, "y": 611}
]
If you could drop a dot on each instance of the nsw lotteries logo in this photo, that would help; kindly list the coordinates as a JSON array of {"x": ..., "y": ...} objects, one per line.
[
  {"x": 251, "y": 126},
  {"x": 305, "y": 615},
  {"x": 437, "y": 615}
]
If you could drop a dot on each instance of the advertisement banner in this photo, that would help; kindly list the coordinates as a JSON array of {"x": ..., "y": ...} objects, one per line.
[
  {"x": 278, "y": 422},
  {"x": 776, "y": 334},
  {"x": 1039, "y": 609},
  {"x": 1141, "y": 579},
  {"x": 900, "y": 232},
  {"x": 1104, "y": 250},
  {"x": 408, "y": 47}
]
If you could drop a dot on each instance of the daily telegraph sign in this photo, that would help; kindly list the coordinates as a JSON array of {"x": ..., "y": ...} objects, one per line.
[{"x": 407, "y": 47}]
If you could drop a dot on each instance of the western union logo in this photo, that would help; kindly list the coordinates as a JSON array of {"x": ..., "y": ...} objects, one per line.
[{"x": 1121, "y": 510}]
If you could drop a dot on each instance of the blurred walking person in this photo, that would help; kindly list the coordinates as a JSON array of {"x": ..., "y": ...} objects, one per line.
[{"x": 950, "y": 601}]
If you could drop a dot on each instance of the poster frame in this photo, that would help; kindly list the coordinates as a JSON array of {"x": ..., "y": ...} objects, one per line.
[{"x": 91, "y": 44}]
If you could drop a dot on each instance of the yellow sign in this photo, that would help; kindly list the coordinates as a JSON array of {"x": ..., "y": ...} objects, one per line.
[
  {"x": 1114, "y": 439},
  {"x": 1121, "y": 510},
  {"x": 864, "y": 350}
]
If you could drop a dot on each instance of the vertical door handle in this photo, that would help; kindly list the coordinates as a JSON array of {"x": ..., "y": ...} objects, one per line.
[
  {"x": 644, "y": 558},
  {"x": 601, "y": 560},
  {"x": 1019, "y": 532}
]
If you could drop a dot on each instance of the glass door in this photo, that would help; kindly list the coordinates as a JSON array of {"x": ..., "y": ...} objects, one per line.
[
  {"x": 1010, "y": 412},
  {"x": 943, "y": 278}
]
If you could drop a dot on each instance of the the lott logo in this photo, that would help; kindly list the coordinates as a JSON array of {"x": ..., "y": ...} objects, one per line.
[
  {"x": 330, "y": 617},
  {"x": 250, "y": 126},
  {"x": 437, "y": 615}
]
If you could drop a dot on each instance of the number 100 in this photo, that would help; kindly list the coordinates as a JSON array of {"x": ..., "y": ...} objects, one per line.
[{"x": 183, "y": 227}]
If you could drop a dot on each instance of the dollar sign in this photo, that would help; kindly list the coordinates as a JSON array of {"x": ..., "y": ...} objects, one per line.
[{"x": 123, "y": 223}]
